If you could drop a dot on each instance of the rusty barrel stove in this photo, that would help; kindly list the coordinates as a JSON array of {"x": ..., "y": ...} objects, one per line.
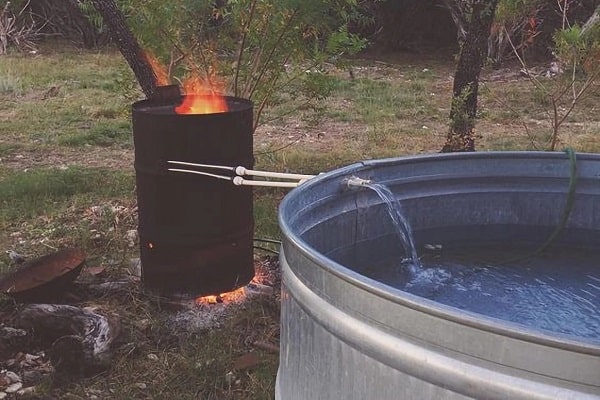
[{"x": 195, "y": 232}]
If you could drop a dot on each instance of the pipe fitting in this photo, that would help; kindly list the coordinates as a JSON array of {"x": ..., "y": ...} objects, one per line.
[
  {"x": 240, "y": 170},
  {"x": 356, "y": 182}
]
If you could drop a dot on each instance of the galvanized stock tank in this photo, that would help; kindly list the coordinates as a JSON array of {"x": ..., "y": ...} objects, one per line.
[{"x": 347, "y": 336}]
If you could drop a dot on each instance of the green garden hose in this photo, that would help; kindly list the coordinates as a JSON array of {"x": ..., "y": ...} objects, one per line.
[
  {"x": 568, "y": 205},
  {"x": 566, "y": 213}
]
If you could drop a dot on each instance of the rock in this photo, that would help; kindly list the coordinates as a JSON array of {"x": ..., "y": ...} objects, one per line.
[
  {"x": 3, "y": 395},
  {"x": 14, "y": 388},
  {"x": 13, "y": 377},
  {"x": 26, "y": 391},
  {"x": 141, "y": 386},
  {"x": 152, "y": 357}
]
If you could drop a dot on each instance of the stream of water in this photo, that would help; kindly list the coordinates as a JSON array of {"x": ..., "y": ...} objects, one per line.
[{"x": 401, "y": 225}]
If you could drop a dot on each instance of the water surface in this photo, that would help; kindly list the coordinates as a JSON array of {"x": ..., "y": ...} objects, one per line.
[{"x": 558, "y": 291}]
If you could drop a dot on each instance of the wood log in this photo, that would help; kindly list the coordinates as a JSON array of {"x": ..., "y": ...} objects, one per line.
[{"x": 81, "y": 338}]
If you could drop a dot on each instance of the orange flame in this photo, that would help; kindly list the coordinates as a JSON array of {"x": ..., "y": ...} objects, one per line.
[
  {"x": 160, "y": 71},
  {"x": 222, "y": 298},
  {"x": 200, "y": 98}
]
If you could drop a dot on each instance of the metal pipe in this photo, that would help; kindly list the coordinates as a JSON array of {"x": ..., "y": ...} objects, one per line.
[
  {"x": 189, "y": 171},
  {"x": 282, "y": 175},
  {"x": 239, "y": 181},
  {"x": 240, "y": 170},
  {"x": 225, "y": 167}
]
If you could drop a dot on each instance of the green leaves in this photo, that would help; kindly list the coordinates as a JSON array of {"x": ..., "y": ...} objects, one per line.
[
  {"x": 513, "y": 11},
  {"x": 578, "y": 49},
  {"x": 91, "y": 14},
  {"x": 257, "y": 46},
  {"x": 342, "y": 42}
]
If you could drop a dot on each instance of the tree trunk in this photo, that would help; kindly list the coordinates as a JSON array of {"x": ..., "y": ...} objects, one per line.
[
  {"x": 128, "y": 45},
  {"x": 461, "y": 136}
]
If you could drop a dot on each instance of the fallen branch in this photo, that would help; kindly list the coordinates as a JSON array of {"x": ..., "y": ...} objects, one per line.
[{"x": 81, "y": 338}]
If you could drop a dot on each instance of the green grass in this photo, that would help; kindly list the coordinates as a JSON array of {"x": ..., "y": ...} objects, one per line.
[
  {"x": 53, "y": 208},
  {"x": 62, "y": 65},
  {"x": 59, "y": 119},
  {"x": 60, "y": 97},
  {"x": 10, "y": 84},
  {"x": 366, "y": 101},
  {"x": 266, "y": 202},
  {"x": 24, "y": 195},
  {"x": 380, "y": 101},
  {"x": 8, "y": 148},
  {"x": 105, "y": 133}
]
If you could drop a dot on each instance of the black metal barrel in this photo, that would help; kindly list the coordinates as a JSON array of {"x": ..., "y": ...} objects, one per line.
[{"x": 195, "y": 231}]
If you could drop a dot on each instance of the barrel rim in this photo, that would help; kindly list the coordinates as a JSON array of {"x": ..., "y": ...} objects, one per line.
[
  {"x": 151, "y": 106},
  {"x": 475, "y": 320}
]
